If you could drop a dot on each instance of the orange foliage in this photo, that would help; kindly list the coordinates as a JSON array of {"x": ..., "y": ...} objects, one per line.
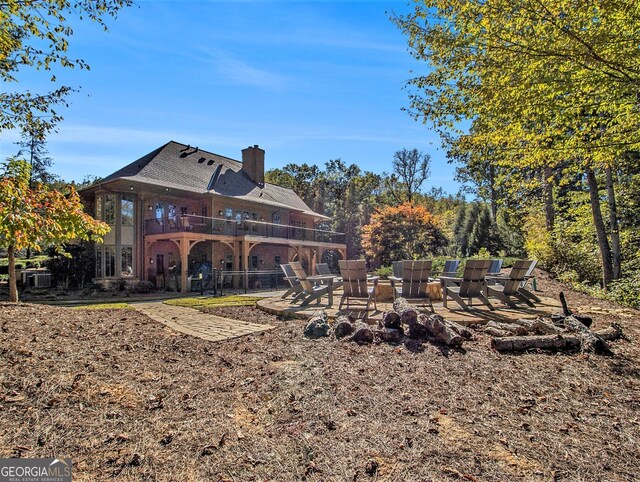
[{"x": 407, "y": 231}]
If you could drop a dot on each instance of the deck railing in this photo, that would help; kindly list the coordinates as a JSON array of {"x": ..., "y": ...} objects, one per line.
[{"x": 245, "y": 227}]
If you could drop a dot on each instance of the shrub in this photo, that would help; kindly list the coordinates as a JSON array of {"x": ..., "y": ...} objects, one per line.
[
  {"x": 140, "y": 287},
  {"x": 384, "y": 272},
  {"x": 626, "y": 291}
]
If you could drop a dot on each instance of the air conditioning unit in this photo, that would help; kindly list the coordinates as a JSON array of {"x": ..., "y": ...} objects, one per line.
[
  {"x": 42, "y": 280},
  {"x": 26, "y": 275}
]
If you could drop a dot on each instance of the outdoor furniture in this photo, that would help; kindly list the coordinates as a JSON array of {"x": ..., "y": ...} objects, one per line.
[
  {"x": 359, "y": 290},
  {"x": 471, "y": 285},
  {"x": 510, "y": 287},
  {"x": 494, "y": 269},
  {"x": 312, "y": 288},
  {"x": 294, "y": 285},
  {"x": 450, "y": 268},
  {"x": 322, "y": 269},
  {"x": 413, "y": 281},
  {"x": 523, "y": 285},
  {"x": 496, "y": 266}
]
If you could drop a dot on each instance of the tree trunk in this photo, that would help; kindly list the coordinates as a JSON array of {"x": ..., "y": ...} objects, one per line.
[
  {"x": 616, "y": 255},
  {"x": 13, "y": 285},
  {"x": 549, "y": 207},
  {"x": 542, "y": 342},
  {"x": 492, "y": 188},
  {"x": 437, "y": 327},
  {"x": 603, "y": 241}
]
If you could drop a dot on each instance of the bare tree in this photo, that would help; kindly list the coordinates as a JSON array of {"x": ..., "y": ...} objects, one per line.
[{"x": 410, "y": 171}]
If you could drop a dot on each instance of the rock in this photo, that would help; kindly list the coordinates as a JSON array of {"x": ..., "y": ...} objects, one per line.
[
  {"x": 343, "y": 327},
  {"x": 318, "y": 326},
  {"x": 362, "y": 334},
  {"x": 389, "y": 335}
]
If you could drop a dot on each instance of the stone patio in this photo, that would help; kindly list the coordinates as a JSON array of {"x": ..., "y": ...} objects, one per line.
[
  {"x": 478, "y": 314},
  {"x": 195, "y": 323}
]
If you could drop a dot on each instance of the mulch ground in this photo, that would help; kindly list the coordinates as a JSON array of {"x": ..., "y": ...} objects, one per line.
[{"x": 128, "y": 399}]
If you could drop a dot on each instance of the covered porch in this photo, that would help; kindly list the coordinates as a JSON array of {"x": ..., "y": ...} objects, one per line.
[{"x": 172, "y": 257}]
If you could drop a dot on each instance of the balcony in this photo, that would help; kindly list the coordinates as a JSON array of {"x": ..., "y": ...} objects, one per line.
[{"x": 232, "y": 228}]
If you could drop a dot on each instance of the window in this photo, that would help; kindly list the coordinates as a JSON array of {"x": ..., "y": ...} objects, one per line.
[
  {"x": 109, "y": 261},
  {"x": 238, "y": 217},
  {"x": 183, "y": 211},
  {"x": 204, "y": 211},
  {"x": 228, "y": 213},
  {"x": 159, "y": 212},
  {"x": 99, "y": 208},
  {"x": 110, "y": 209},
  {"x": 277, "y": 260},
  {"x": 126, "y": 210},
  {"x": 254, "y": 262},
  {"x": 276, "y": 218},
  {"x": 171, "y": 212},
  {"x": 99, "y": 262},
  {"x": 298, "y": 229},
  {"x": 126, "y": 258}
]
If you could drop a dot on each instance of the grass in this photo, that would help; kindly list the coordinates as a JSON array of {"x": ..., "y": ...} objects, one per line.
[
  {"x": 211, "y": 302},
  {"x": 105, "y": 306}
]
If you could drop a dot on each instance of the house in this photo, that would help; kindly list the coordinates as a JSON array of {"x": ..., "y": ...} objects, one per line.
[{"x": 180, "y": 206}]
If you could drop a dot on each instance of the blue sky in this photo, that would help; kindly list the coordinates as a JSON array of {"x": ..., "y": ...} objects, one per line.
[{"x": 307, "y": 81}]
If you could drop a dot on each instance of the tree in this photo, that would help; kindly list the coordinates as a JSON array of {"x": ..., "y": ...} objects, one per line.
[
  {"x": 544, "y": 82},
  {"x": 401, "y": 232},
  {"x": 36, "y": 34},
  {"x": 342, "y": 192},
  {"x": 33, "y": 147},
  {"x": 38, "y": 217},
  {"x": 410, "y": 171}
]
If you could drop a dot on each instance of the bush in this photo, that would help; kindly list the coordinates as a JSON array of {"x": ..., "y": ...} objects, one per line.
[
  {"x": 140, "y": 287},
  {"x": 626, "y": 291},
  {"x": 384, "y": 272}
]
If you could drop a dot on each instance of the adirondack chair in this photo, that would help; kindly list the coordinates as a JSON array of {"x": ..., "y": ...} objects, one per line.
[
  {"x": 396, "y": 267},
  {"x": 310, "y": 291},
  {"x": 494, "y": 270},
  {"x": 357, "y": 286},
  {"x": 510, "y": 288},
  {"x": 294, "y": 285},
  {"x": 412, "y": 282},
  {"x": 496, "y": 266},
  {"x": 322, "y": 269},
  {"x": 450, "y": 268},
  {"x": 523, "y": 285},
  {"x": 471, "y": 285},
  {"x": 528, "y": 276}
]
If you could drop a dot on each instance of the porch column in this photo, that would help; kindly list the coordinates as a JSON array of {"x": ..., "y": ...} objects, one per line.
[
  {"x": 184, "y": 261},
  {"x": 313, "y": 253},
  {"x": 236, "y": 262},
  {"x": 245, "y": 262}
]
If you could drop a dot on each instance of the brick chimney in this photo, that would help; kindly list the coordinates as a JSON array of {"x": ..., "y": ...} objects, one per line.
[{"x": 253, "y": 163}]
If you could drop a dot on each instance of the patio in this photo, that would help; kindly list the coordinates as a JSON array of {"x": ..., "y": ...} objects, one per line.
[{"x": 478, "y": 314}]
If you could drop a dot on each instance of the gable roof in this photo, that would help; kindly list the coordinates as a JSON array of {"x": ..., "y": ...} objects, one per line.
[{"x": 191, "y": 169}]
